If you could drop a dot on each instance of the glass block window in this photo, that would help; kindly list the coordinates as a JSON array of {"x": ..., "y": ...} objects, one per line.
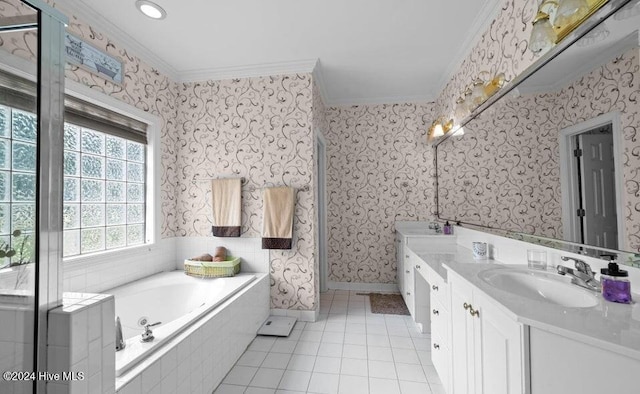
[
  {"x": 18, "y": 153},
  {"x": 104, "y": 191}
]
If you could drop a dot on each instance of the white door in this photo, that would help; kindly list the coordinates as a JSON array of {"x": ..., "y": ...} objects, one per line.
[{"x": 600, "y": 225}]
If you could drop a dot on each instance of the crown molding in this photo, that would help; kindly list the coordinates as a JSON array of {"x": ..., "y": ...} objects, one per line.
[
  {"x": 318, "y": 77},
  {"x": 479, "y": 26},
  {"x": 248, "y": 71},
  {"x": 599, "y": 59},
  {"x": 85, "y": 14},
  {"x": 347, "y": 102}
]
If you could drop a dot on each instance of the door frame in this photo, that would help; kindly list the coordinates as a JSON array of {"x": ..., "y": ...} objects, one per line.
[
  {"x": 569, "y": 175},
  {"x": 321, "y": 198}
]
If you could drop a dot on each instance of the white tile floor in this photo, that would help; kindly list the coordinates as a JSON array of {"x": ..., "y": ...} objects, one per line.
[{"x": 348, "y": 350}]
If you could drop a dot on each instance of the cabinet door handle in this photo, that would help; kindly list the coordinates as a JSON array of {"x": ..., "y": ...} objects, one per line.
[
  {"x": 436, "y": 346},
  {"x": 406, "y": 256},
  {"x": 417, "y": 266},
  {"x": 408, "y": 293},
  {"x": 436, "y": 312},
  {"x": 474, "y": 312},
  {"x": 434, "y": 287},
  {"x": 466, "y": 306},
  {"x": 408, "y": 272}
]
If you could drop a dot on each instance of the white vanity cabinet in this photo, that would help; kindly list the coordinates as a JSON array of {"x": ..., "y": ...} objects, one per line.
[
  {"x": 400, "y": 262},
  {"x": 409, "y": 281},
  {"x": 487, "y": 346}
]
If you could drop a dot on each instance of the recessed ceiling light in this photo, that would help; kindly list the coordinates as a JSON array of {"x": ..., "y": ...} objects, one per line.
[{"x": 151, "y": 9}]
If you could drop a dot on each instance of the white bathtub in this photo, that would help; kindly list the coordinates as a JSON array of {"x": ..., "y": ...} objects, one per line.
[{"x": 172, "y": 298}]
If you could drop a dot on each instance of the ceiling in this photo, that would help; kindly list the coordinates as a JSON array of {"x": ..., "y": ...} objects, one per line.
[{"x": 369, "y": 51}]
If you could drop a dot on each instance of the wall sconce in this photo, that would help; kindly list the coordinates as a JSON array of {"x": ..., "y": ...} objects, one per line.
[{"x": 556, "y": 19}]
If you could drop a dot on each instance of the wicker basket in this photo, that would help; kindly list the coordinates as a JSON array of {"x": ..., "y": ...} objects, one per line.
[{"x": 208, "y": 269}]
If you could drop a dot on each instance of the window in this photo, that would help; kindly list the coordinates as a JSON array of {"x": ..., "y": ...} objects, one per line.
[
  {"x": 104, "y": 163},
  {"x": 104, "y": 191},
  {"x": 18, "y": 179}
]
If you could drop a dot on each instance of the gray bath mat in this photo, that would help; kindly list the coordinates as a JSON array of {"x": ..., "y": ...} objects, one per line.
[{"x": 389, "y": 304}]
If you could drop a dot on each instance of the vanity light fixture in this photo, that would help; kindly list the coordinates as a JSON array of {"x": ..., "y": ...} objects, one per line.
[
  {"x": 151, "y": 9},
  {"x": 543, "y": 36},
  {"x": 556, "y": 19},
  {"x": 476, "y": 94},
  {"x": 439, "y": 128}
]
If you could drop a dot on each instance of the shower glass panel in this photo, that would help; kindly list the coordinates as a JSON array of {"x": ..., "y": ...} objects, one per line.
[{"x": 18, "y": 180}]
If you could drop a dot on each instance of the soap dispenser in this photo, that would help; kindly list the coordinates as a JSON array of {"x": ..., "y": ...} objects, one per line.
[
  {"x": 615, "y": 283},
  {"x": 448, "y": 229}
]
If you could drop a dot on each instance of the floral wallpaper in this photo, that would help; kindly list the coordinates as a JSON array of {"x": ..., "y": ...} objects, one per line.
[
  {"x": 379, "y": 171},
  {"x": 144, "y": 88},
  {"x": 259, "y": 129},
  {"x": 505, "y": 172}
]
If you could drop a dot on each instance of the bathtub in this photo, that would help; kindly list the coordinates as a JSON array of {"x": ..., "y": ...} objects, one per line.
[{"x": 175, "y": 300}]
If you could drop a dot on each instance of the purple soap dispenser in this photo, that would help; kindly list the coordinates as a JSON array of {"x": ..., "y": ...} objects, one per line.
[{"x": 615, "y": 284}]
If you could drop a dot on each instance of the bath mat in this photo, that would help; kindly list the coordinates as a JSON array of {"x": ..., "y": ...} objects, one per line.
[{"x": 390, "y": 304}]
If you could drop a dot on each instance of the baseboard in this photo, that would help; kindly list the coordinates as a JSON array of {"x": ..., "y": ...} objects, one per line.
[
  {"x": 306, "y": 316},
  {"x": 357, "y": 286}
]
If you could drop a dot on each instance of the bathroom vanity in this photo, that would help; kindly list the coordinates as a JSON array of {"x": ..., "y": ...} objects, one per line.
[{"x": 489, "y": 335}]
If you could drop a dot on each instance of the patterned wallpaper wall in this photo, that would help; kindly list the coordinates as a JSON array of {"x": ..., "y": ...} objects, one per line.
[
  {"x": 259, "y": 129},
  {"x": 505, "y": 172},
  {"x": 379, "y": 171},
  {"x": 144, "y": 88}
]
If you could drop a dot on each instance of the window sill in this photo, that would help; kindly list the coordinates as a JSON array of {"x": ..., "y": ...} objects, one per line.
[{"x": 98, "y": 257}]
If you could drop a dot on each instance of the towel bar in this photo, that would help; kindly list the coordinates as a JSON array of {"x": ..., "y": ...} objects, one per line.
[{"x": 253, "y": 189}]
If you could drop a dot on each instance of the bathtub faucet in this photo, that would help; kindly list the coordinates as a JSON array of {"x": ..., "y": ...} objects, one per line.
[
  {"x": 120, "y": 344},
  {"x": 147, "y": 335}
]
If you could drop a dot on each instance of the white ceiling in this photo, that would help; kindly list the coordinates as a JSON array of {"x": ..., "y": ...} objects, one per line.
[{"x": 370, "y": 51}]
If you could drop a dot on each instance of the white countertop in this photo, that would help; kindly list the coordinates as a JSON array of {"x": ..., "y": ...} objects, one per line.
[
  {"x": 611, "y": 326},
  {"x": 415, "y": 229}
]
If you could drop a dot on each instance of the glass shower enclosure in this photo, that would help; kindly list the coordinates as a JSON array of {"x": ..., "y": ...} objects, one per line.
[{"x": 31, "y": 124}]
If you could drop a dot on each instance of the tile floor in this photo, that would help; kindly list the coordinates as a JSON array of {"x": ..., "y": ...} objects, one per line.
[{"x": 348, "y": 350}]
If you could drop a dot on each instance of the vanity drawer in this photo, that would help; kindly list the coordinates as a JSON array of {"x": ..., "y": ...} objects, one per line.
[
  {"x": 440, "y": 358},
  {"x": 439, "y": 323},
  {"x": 439, "y": 292}
]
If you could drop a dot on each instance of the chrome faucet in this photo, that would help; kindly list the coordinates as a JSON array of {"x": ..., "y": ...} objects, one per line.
[
  {"x": 147, "y": 335},
  {"x": 120, "y": 343},
  {"x": 583, "y": 274}
]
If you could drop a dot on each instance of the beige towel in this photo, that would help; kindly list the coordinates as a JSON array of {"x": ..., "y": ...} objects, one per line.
[
  {"x": 226, "y": 201},
  {"x": 277, "y": 221}
]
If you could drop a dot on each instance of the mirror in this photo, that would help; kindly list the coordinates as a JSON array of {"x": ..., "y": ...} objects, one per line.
[{"x": 558, "y": 156}]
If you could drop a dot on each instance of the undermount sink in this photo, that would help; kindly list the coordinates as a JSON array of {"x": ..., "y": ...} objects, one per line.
[{"x": 540, "y": 285}]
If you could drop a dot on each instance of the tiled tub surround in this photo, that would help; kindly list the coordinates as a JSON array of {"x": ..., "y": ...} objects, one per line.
[
  {"x": 16, "y": 314},
  {"x": 173, "y": 300},
  {"x": 196, "y": 360},
  {"x": 81, "y": 338}
]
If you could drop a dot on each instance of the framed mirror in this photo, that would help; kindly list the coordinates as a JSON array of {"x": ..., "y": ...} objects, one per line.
[{"x": 558, "y": 157}]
